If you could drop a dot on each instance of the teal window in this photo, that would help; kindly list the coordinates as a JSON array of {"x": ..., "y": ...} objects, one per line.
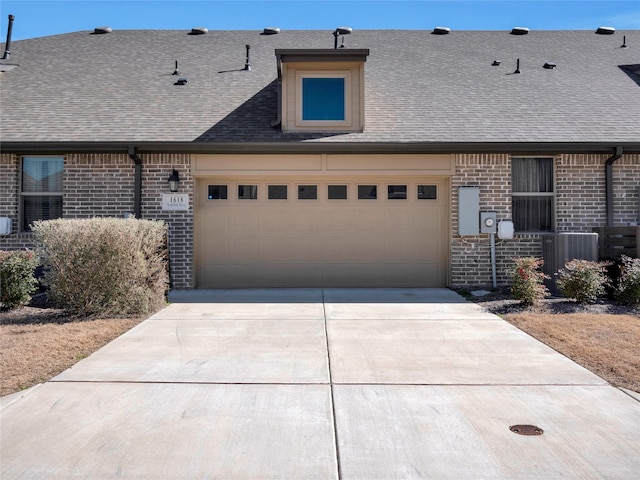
[
  {"x": 323, "y": 99},
  {"x": 41, "y": 189}
]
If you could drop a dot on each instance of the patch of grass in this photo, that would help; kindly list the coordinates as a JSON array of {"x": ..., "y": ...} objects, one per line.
[
  {"x": 606, "y": 344},
  {"x": 32, "y": 353}
]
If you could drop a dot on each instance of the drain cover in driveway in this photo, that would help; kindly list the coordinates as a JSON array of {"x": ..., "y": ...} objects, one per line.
[{"x": 526, "y": 429}]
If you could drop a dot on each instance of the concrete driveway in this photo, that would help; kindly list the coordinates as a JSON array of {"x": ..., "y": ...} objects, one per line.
[{"x": 322, "y": 384}]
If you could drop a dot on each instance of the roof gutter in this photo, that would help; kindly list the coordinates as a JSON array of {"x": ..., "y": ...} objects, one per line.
[
  {"x": 608, "y": 175},
  {"x": 137, "y": 182},
  {"x": 311, "y": 146}
]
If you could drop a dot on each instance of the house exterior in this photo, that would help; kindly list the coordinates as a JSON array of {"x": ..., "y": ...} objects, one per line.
[{"x": 305, "y": 165}]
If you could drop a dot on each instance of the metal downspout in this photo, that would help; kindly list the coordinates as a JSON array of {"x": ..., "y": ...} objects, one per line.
[
  {"x": 137, "y": 188},
  {"x": 608, "y": 176}
]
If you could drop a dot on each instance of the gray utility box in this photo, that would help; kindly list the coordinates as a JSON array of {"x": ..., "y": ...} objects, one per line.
[
  {"x": 468, "y": 210},
  {"x": 559, "y": 248}
]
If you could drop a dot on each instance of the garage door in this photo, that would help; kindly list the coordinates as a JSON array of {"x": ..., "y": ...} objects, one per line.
[{"x": 308, "y": 232}]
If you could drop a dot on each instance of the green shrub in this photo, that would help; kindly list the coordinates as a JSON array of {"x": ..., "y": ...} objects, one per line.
[
  {"x": 528, "y": 280},
  {"x": 104, "y": 266},
  {"x": 628, "y": 291},
  {"x": 17, "y": 281},
  {"x": 583, "y": 280}
]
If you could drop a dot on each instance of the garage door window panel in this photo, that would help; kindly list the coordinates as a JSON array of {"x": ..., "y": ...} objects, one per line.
[
  {"x": 277, "y": 192},
  {"x": 397, "y": 192},
  {"x": 367, "y": 192},
  {"x": 427, "y": 192},
  {"x": 217, "y": 192},
  {"x": 307, "y": 192},
  {"x": 337, "y": 192},
  {"x": 247, "y": 192}
]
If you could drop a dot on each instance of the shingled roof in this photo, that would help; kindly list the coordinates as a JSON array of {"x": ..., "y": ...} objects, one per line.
[{"x": 421, "y": 90}]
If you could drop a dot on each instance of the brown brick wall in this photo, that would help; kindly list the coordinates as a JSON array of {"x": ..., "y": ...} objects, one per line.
[
  {"x": 580, "y": 206},
  {"x": 103, "y": 185}
]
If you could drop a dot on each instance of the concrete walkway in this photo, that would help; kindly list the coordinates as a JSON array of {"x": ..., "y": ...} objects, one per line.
[{"x": 321, "y": 384}]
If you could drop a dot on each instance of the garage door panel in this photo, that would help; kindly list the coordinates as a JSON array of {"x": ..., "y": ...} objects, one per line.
[
  {"x": 429, "y": 219},
  {"x": 307, "y": 274},
  {"x": 335, "y": 274},
  {"x": 338, "y": 218},
  {"x": 368, "y": 219},
  {"x": 321, "y": 242},
  {"x": 243, "y": 248},
  {"x": 245, "y": 276},
  {"x": 274, "y": 247},
  {"x": 279, "y": 274},
  {"x": 215, "y": 249},
  {"x": 399, "y": 219},
  {"x": 399, "y": 248},
  {"x": 427, "y": 274},
  {"x": 400, "y": 274},
  {"x": 244, "y": 219},
  {"x": 363, "y": 248},
  {"x": 273, "y": 219}
]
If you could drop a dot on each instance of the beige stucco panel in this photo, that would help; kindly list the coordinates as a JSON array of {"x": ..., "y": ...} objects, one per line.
[
  {"x": 405, "y": 164},
  {"x": 431, "y": 164},
  {"x": 206, "y": 164}
]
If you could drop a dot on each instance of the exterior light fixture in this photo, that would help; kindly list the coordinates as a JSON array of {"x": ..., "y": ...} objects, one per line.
[
  {"x": 174, "y": 181},
  {"x": 340, "y": 31}
]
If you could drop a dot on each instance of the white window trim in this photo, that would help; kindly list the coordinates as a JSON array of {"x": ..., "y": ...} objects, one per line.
[{"x": 348, "y": 117}]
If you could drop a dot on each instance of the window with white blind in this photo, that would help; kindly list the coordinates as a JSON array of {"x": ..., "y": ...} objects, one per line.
[
  {"x": 41, "y": 189},
  {"x": 532, "y": 194}
]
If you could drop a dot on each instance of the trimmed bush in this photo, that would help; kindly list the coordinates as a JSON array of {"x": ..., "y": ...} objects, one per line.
[
  {"x": 628, "y": 290},
  {"x": 583, "y": 280},
  {"x": 17, "y": 281},
  {"x": 528, "y": 280},
  {"x": 104, "y": 266}
]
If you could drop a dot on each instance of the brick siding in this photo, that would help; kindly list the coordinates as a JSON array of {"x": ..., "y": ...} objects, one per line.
[
  {"x": 103, "y": 185},
  {"x": 580, "y": 206}
]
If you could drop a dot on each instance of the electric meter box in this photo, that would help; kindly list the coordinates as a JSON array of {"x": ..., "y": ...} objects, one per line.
[
  {"x": 488, "y": 222},
  {"x": 5, "y": 226},
  {"x": 468, "y": 210}
]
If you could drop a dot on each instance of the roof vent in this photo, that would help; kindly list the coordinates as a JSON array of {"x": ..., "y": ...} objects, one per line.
[
  {"x": 182, "y": 81},
  {"x": 496, "y": 63},
  {"x": 271, "y": 31},
  {"x": 199, "y": 31},
  {"x": 441, "y": 31},
  {"x": 101, "y": 30},
  {"x": 605, "y": 31},
  {"x": 549, "y": 65},
  {"x": 519, "y": 31}
]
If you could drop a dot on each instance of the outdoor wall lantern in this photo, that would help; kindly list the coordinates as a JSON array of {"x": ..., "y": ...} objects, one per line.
[{"x": 174, "y": 181}]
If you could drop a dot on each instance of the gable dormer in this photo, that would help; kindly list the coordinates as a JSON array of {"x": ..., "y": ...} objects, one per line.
[{"x": 322, "y": 90}]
